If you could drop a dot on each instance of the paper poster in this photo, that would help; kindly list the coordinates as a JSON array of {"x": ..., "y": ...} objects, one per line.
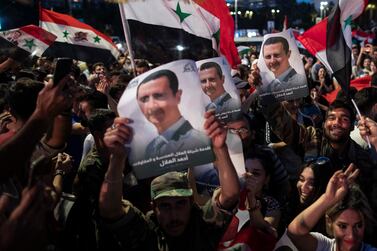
[
  {"x": 281, "y": 69},
  {"x": 166, "y": 106},
  {"x": 220, "y": 91}
]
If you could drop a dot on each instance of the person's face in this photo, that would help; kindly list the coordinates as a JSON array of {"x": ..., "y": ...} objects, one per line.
[
  {"x": 276, "y": 58},
  {"x": 305, "y": 185},
  {"x": 337, "y": 125},
  {"x": 254, "y": 166},
  {"x": 348, "y": 230},
  {"x": 321, "y": 73},
  {"x": 141, "y": 70},
  {"x": 373, "y": 67},
  {"x": 158, "y": 103},
  {"x": 355, "y": 50},
  {"x": 239, "y": 127},
  {"x": 173, "y": 214},
  {"x": 366, "y": 63},
  {"x": 100, "y": 69},
  {"x": 84, "y": 112},
  {"x": 314, "y": 94},
  {"x": 212, "y": 83}
]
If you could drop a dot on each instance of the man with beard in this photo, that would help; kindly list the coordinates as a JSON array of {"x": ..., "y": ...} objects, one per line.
[
  {"x": 176, "y": 222},
  {"x": 158, "y": 97},
  {"x": 212, "y": 81},
  {"x": 336, "y": 143}
]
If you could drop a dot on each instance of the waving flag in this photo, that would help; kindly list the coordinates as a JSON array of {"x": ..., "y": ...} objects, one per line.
[
  {"x": 77, "y": 40},
  {"x": 331, "y": 39},
  {"x": 28, "y": 40},
  {"x": 162, "y": 31}
]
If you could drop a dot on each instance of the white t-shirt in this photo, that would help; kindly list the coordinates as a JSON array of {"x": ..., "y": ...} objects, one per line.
[{"x": 324, "y": 243}]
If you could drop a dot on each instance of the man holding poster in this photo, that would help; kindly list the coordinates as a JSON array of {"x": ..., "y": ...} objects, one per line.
[{"x": 158, "y": 97}]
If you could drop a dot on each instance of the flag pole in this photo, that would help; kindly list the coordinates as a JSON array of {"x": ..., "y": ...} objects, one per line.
[
  {"x": 126, "y": 30},
  {"x": 358, "y": 113}
]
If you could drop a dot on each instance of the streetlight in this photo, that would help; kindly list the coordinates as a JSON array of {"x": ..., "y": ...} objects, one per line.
[{"x": 323, "y": 7}]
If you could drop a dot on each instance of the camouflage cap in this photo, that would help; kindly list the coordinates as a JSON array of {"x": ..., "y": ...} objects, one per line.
[{"x": 172, "y": 184}]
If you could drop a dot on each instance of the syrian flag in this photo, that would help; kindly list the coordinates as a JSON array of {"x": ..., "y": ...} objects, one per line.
[
  {"x": 77, "y": 40},
  {"x": 330, "y": 40},
  {"x": 162, "y": 31},
  {"x": 25, "y": 41},
  {"x": 363, "y": 37}
]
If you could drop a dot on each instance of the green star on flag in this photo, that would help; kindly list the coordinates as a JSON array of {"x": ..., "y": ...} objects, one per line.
[
  {"x": 97, "y": 39},
  {"x": 66, "y": 33},
  {"x": 182, "y": 15},
  {"x": 29, "y": 43},
  {"x": 216, "y": 35},
  {"x": 348, "y": 21}
]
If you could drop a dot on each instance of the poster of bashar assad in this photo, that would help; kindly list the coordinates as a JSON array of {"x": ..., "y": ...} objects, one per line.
[
  {"x": 166, "y": 106},
  {"x": 281, "y": 69},
  {"x": 221, "y": 93}
]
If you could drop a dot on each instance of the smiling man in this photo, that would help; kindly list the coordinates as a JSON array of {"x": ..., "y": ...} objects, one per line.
[
  {"x": 158, "y": 97},
  {"x": 276, "y": 55},
  {"x": 212, "y": 81}
]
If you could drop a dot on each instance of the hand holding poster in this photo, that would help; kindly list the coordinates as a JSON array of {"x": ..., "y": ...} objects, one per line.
[
  {"x": 281, "y": 69},
  {"x": 168, "y": 126}
]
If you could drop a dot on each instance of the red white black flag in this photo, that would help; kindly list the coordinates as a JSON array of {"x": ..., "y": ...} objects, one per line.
[
  {"x": 77, "y": 40},
  {"x": 25, "y": 41},
  {"x": 331, "y": 39}
]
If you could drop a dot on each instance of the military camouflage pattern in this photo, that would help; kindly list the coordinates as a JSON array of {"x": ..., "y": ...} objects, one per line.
[
  {"x": 172, "y": 184},
  {"x": 135, "y": 231}
]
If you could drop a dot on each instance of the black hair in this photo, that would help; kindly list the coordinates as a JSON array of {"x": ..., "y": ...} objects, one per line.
[
  {"x": 99, "y": 120},
  {"x": 366, "y": 99},
  {"x": 173, "y": 79},
  {"x": 209, "y": 65},
  {"x": 275, "y": 40},
  {"x": 22, "y": 97},
  {"x": 95, "y": 99},
  {"x": 345, "y": 105},
  {"x": 264, "y": 158}
]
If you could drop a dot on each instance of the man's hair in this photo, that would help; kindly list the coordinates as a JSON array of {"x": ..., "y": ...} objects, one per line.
[
  {"x": 173, "y": 80},
  {"x": 97, "y": 64},
  {"x": 345, "y": 105},
  {"x": 209, "y": 65},
  {"x": 275, "y": 40},
  {"x": 99, "y": 120},
  {"x": 366, "y": 99},
  {"x": 95, "y": 99},
  {"x": 264, "y": 158},
  {"x": 142, "y": 63},
  {"x": 22, "y": 97}
]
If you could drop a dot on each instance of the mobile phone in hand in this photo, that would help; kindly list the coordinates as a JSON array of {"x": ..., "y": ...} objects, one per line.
[{"x": 63, "y": 68}]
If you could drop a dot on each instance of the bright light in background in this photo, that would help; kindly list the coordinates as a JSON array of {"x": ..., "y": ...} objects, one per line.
[{"x": 180, "y": 48}]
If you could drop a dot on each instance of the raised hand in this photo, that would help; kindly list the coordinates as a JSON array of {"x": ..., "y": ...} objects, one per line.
[
  {"x": 117, "y": 136},
  {"x": 214, "y": 130},
  {"x": 368, "y": 128},
  {"x": 339, "y": 183}
]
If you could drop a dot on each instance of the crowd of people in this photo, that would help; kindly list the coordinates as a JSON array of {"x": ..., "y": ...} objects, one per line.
[{"x": 66, "y": 183}]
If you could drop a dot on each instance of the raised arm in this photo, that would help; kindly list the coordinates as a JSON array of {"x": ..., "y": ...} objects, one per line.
[
  {"x": 368, "y": 128},
  {"x": 51, "y": 101},
  {"x": 110, "y": 199},
  {"x": 299, "y": 228},
  {"x": 229, "y": 183}
]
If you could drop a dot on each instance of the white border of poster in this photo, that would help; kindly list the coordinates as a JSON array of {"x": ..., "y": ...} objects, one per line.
[
  {"x": 291, "y": 84},
  {"x": 191, "y": 107},
  {"x": 230, "y": 110}
]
